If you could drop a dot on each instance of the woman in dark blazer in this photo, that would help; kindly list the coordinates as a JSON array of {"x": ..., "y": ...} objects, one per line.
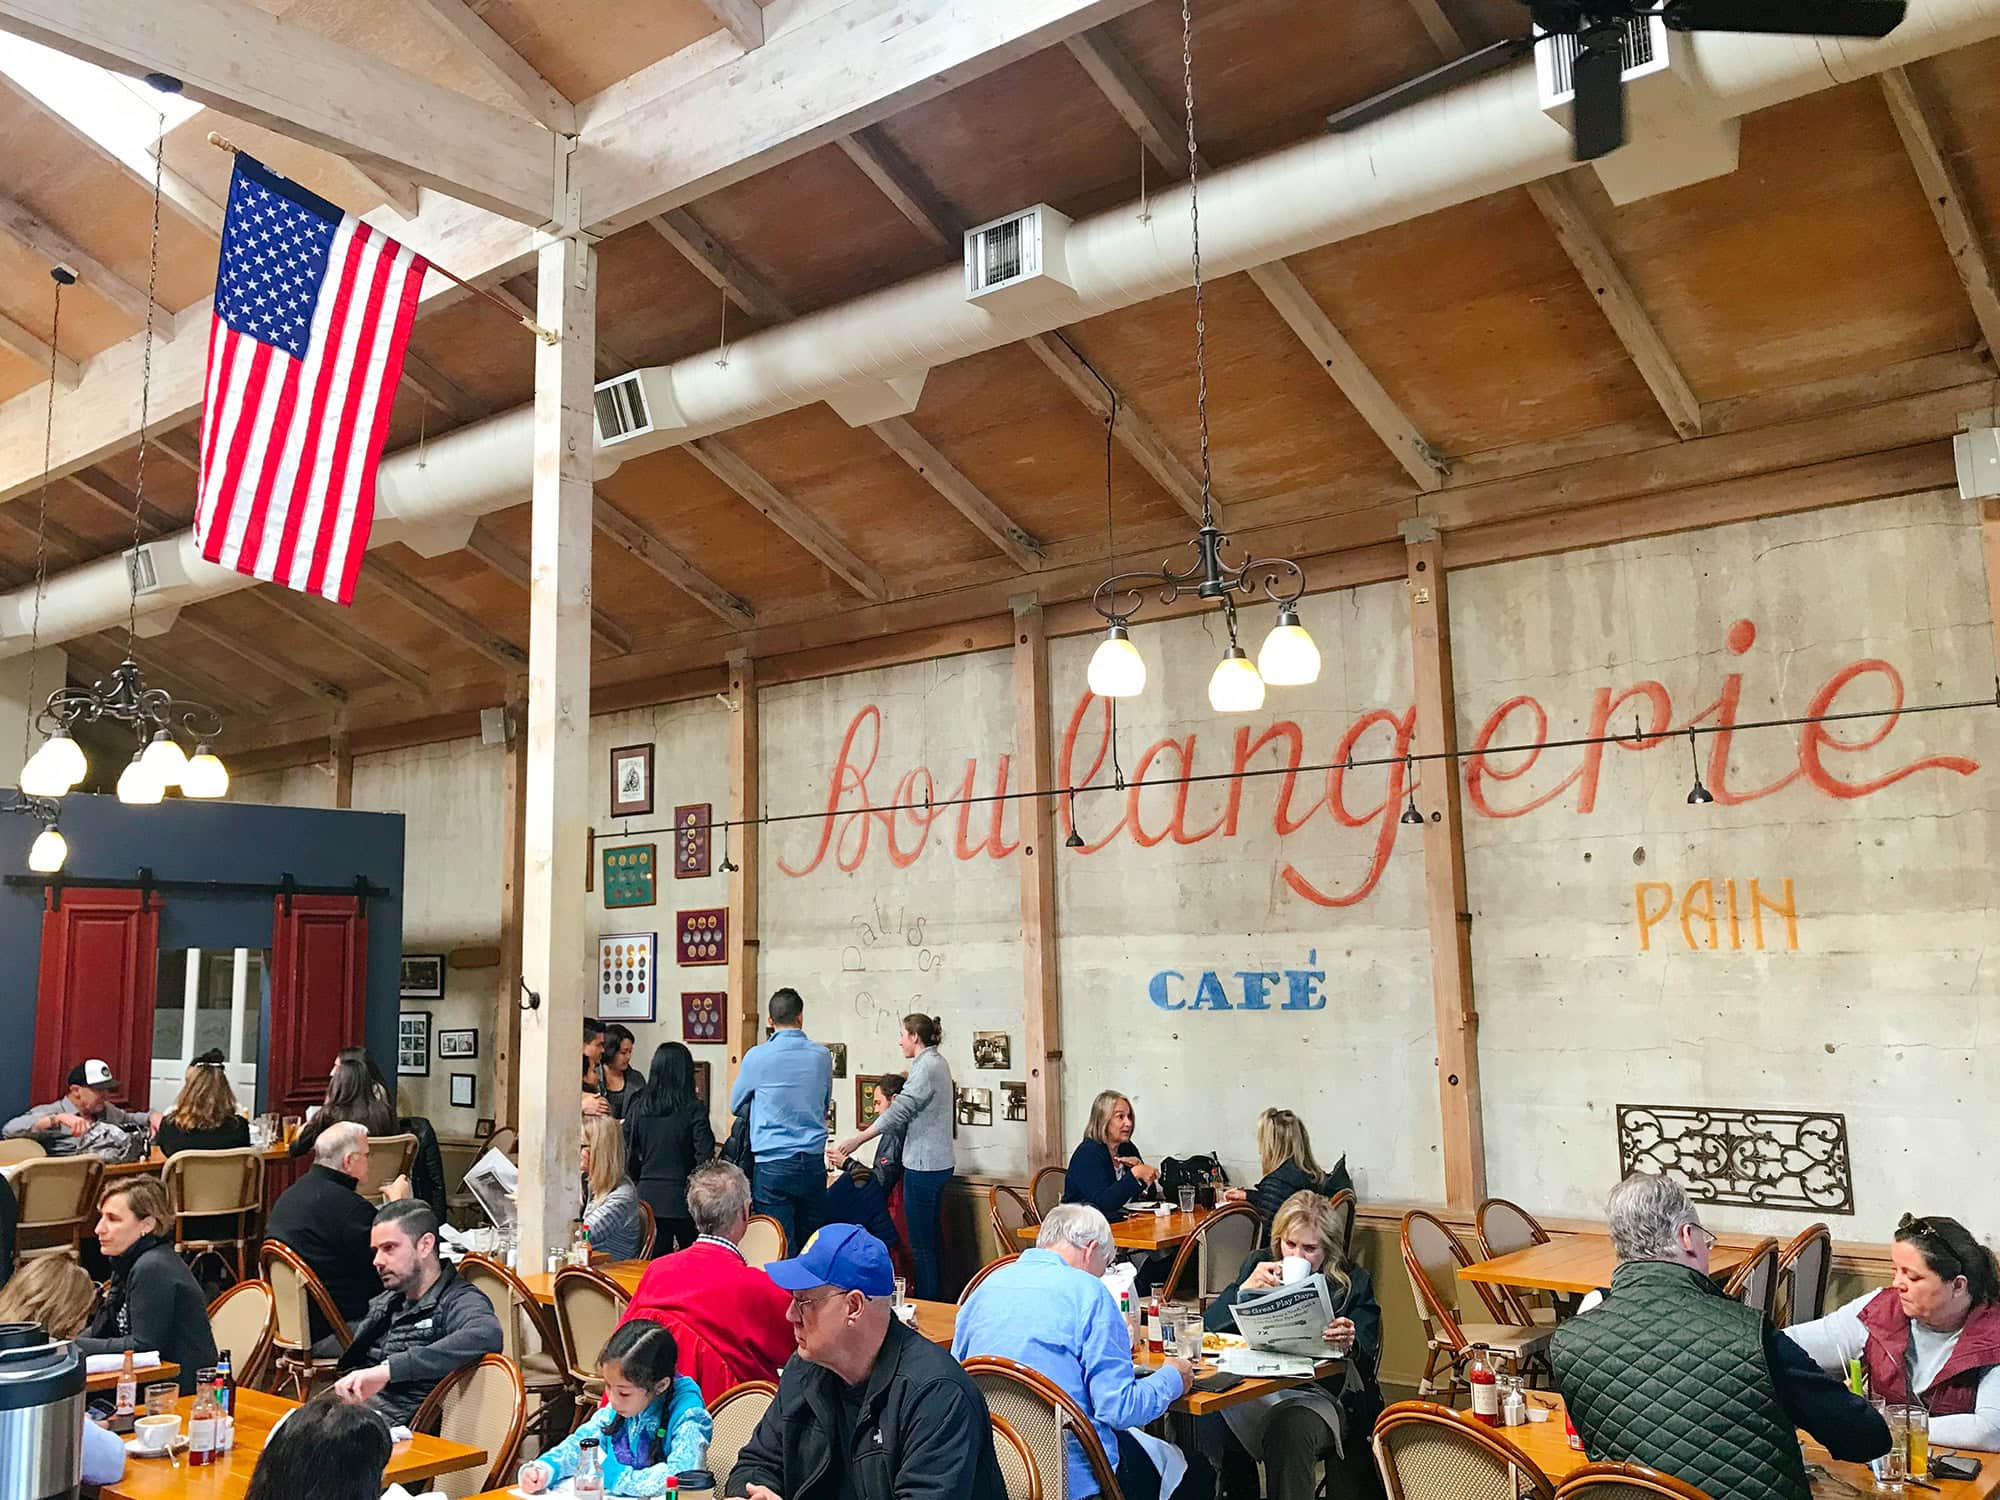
[
  {"x": 667, "y": 1135},
  {"x": 153, "y": 1301},
  {"x": 1105, "y": 1170}
]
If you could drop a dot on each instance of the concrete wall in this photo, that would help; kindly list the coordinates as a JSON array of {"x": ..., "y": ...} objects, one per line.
[{"x": 20, "y": 699}]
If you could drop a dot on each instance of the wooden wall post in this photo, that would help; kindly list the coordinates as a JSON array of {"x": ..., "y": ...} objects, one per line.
[
  {"x": 340, "y": 765},
  {"x": 745, "y": 846},
  {"x": 513, "y": 874},
  {"x": 1450, "y": 919},
  {"x": 1042, "y": 981},
  {"x": 553, "y": 959},
  {"x": 1989, "y": 527}
]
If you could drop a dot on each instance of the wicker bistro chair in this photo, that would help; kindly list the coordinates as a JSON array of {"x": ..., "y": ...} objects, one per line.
[
  {"x": 1432, "y": 1255},
  {"x": 1045, "y": 1190},
  {"x": 531, "y": 1341},
  {"x": 1503, "y": 1228},
  {"x": 1017, "y": 1462},
  {"x": 1344, "y": 1207},
  {"x": 389, "y": 1157},
  {"x": 972, "y": 1282},
  {"x": 57, "y": 1196},
  {"x": 1755, "y": 1282},
  {"x": 294, "y": 1290},
  {"x": 482, "y": 1405},
  {"x": 764, "y": 1241},
  {"x": 1009, "y": 1212},
  {"x": 736, "y": 1413},
  {"x": 1625, "y": 1482},
  {"x": 210, "y": 1190},
  {"x": 244, "y": 1320},
  {"x": 1430, "y": 1452},
  {"x": 20, "y": 1149},
  {"x": 649, "y": 1230},
  {"x": 588, "y": 1307},
  {"x": 1804, "y": 1268},
  {"x": 1209, "y": 1258},
  {"x": 1042, "y": 1415}
]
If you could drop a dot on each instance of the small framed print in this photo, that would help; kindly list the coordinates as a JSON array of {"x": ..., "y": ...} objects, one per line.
[
  {"x": 630, "y": 876},
  {"x": 423, "y": 976},
  {"x": 975, "y": 1106},
  {"x": 1016, "y": 1096},
  {"x": 701, "y": 1082},
  {"x": 457, "y": 1043},
  {"x": 483, "y": 1129},
  {"x": 627, "y": 969},
  {"x": 413, "y": 1044},
  {"x": 631, "y": 781},
  {"x": 691, "y": 840},
  {"x": 701, "y": 1015},
  {"x": 992, "y": 1049},
  {"x": 462, "y": 1095},
  {"x": 864, "y": 1099},
  {"x": 839, "y": 1051},
  {"x": 702, "y": 937}
]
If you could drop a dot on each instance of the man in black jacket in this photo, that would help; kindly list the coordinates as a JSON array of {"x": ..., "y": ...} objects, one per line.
[
  {"x": 327, "y": 1222},
  {"x": 867, "y": 1409},
  {"x": 429, "y": 1322}
]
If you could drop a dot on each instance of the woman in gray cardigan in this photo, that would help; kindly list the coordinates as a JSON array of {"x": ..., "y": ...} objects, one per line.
[{"x": 922, "y": 1112}]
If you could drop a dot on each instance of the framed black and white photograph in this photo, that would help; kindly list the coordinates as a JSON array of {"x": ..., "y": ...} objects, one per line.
[
  {"x": 423, "y": 976},
  {"x": 631, "y": 781},
  {"x": 1016, "y": 1097},
  {"x": 839, "y": 1051},
  {"x": 459, "y": 1042},
  {"x": 975, "y": 1106},
  {"x": 413, "y": 1043},
  {"x": 483, "y": 1129},
  {"x": 462, "y": 1085},
  {"x": 992, "y": 1049}
]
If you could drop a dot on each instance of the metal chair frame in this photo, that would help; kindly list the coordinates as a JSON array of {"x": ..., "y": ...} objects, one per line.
[
  {"x": 776, "y": 1229},
  {"x": 573, "y": 1278},
  {"x": 558, "y": 1406},
  {"x": 1003, "y": 1232},
  {"x": 1004, "y": 1436},
  {"x": 1787, "y": 1307},
  {"x": 64, "y": 1235},
  {"x": 247, "y": 1211},
  {"x": 1764, "y": 1257},
  {"x": 1047, "y": 1183},
  {"x": 1517, "y": 1304}
]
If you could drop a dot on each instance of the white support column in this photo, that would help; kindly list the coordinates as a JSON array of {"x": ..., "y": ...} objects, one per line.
[
  {"x": 553, "y": 958},
  {"x": 239, "y": 1009},
  {"x": 193, "y": 995}
]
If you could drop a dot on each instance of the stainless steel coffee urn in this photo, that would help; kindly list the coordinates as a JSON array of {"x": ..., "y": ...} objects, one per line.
[{"x": 41, "y": 1415}]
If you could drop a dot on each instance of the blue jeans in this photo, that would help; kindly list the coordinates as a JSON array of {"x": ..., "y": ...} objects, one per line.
[
  {"x": 792, "y": 1190},
  {"x": 923, "y": 1202}
]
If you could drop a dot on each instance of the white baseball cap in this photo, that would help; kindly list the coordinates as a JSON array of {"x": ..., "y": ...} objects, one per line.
[{"x": 93, "y": 1073}]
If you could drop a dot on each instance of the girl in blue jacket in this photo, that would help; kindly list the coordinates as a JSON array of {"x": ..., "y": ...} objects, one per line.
[{"x": 652, "y": 1427}]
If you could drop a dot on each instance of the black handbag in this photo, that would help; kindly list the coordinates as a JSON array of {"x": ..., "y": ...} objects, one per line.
[{"x": 1177, "y": 1172}]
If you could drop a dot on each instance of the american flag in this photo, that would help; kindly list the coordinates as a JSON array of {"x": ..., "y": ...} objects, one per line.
[{"x": 312, "y": 311}]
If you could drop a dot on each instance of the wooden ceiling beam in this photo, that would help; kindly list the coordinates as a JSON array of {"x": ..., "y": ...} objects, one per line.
[
  {"x": 722, "y": 269},
  {"x": 104, "y": 651},
  {"x": 287, "y": 672},
  {"x": 44, "y": 240},
  {"x": 439, "y": 390},
  {"x": 385, "y": 578},
  {"x": 117, "y": 502},
  {"x": 670, "y": 564},
  {"x": 32, "y": 347},
  {"x": 540, "y": 99},
  {"x": 1918, "y": 128},
  {"x": 509, "y": 564},
  {"x": 900, "y": 183},
  {"x": 742, "y": 19},
  {"x": 330, "y": 623},
  {"x": 1165, "y": 139},
  {"x": 789, "y": 517}
]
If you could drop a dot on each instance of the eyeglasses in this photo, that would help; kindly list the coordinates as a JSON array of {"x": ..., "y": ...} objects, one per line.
[
  {"x": 800, "y": 1304},
  {"x": 1709, "y": 1234}
]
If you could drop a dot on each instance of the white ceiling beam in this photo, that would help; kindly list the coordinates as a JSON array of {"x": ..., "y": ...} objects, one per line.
[
  {"x": 1915, "y": 124},
  {"x": 234, "y": 57},
  {"x": 399, "y": 193},
  {"x": 789, "y": 517},
  {"x": 43, "y": 239},
  {"x": 542, "y": 100},
  {"x": 742, "y": 19},
  {"x": 34, "y": 348},
  {"x": 1165, "y": 139}
]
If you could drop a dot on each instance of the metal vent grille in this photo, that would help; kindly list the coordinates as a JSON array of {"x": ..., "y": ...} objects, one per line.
[
  {"x": 1000, "y": 254},
  {"x": 141, "y": 573},
  {"x": 621, "y": 408},
  {"x": 1635, "y": 50}
]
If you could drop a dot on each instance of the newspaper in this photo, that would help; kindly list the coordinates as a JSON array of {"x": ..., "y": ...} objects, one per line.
[{"x": 1288, "y": 1319}]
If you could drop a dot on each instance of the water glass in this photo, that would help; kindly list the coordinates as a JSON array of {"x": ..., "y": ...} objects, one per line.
[
  {"x": 1917, "y": 1422},
  {"x": 902, "y": 1290},
  {"x": 1893, "y": 1467},
  {"x": 160, "y": 1398},
  {"x": 1187, "y": 1199}
]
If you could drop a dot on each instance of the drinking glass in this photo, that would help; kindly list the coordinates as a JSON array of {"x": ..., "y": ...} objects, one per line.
[
  {"x": 1917, "y": 1422},
  {"x": 160, "y": 1398},
  {"x": 1894, "y": 1466},
  {"x": 1172, "y": 1332},
  {"x": 1187, "y": 1200},
  {"x": 902, "y": 1290}
]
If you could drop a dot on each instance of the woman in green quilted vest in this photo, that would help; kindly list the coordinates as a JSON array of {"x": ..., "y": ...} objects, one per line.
[{"x": 1931, "y": 1338}]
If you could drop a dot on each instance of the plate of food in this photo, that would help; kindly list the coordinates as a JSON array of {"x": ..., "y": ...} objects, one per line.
[{"x": 1215, "y": 1343}]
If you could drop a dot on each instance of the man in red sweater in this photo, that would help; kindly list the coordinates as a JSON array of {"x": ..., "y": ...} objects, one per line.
[{"x": 727, "y": 1317}]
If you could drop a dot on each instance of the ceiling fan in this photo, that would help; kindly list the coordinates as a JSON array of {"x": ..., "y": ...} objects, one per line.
[{"x": 1599, "y": 27}]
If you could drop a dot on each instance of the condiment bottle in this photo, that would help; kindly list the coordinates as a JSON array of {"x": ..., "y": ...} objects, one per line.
[
  {"x": 225, "y": 1384},
  {"x": 128, "y": 1388},
  {"x": 1514, "y": 1410},
  {"x": 1156, "y": 1336},
  {"x": 204, "y": 1442},
  {"x": 1485, "y": 1390},
  {"x": 588, "y": 1481}
]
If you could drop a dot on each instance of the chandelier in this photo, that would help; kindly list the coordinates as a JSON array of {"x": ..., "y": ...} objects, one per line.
[{"x": 1288, "y": 657}]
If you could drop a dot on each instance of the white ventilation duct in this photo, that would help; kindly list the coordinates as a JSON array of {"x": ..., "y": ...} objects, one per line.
[{"x": 1485, "y": 138}]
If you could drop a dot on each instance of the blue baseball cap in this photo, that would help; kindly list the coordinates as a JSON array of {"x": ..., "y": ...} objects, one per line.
[{"x": 842, "y": 1255}]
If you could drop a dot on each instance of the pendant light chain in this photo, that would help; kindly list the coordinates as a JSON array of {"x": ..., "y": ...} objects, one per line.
[
  {"x": 1194, "y": 225},
  {"x": 42, "y": 520},
  {"x": 145, "y": 395}
]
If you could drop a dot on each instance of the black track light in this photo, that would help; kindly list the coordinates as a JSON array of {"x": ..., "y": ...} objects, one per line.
[
  {"x": 728, "y": 865},
  {"x": 1700, "y": 794},
  {"x": 1410, "y": 813},
  {"x": 1075, "y": 839}
]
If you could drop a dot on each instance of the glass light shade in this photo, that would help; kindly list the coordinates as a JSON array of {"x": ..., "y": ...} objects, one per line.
[
  {"x": 166, "y": 760},
  {"x": 205, "y": 776},
  {"x": 1235, "y": 687},
  {"x": 1288, "y": 657},
  {"x": 53, "y": 769},
  {"x": 49, "y": 851},
  {"x": 138, "y": 786},
  {"x": 1117, "y": 670}
]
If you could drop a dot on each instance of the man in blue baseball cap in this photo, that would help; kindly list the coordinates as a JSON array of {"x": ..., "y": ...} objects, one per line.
[{"x": 867, "y": 1409}]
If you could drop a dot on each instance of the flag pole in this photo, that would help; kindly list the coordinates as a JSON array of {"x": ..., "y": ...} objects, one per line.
[{"x": 546, "y": 335}]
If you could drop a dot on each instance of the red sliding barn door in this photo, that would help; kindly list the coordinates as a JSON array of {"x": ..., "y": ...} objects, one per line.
[
  {"x": 319, "y": 995},
  {"x": 100, "y": 967}
]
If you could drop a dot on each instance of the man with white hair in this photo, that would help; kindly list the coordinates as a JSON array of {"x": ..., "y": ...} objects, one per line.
[
  {"x": 1050, "y": 1311},
  {"x": 1670, "y": 1373},
  {"x": 326, "y": 1221}
]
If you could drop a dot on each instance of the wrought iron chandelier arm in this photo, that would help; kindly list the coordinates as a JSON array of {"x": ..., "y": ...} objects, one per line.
[
  {"x": 1282, "y": 580},
  {"x": 1123, "y": 595},
  {"x": 19, "y": 801}
]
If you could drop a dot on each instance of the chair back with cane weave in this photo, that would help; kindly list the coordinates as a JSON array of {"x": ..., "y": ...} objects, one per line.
[
  {"x": 529, "y": 1339},
  {"x": 1044, "y": 1416},
  {"x": 216, "y": 1190},
  {"x": 1017, "y": 1464},
  {"x": 1625, "y": 1482},
  {"x": 649, "y": 1230},
  {"x": 244, "y": 1320},
  {"x": 1045, "y": 1189},
  {"x": 1009, "y": 1212},
  {"x": 389, "y": 1157},
  {"x": 736, "y": 1413},
  {"x": 982, "y": 1273},
  {"x": 20, "y": 1149},
  {"x": 1210, "y": 1257},
  {"x": 588, "y": 1307},
  {"x": 1430, "y": 1452},
  {"x": 57, "y": 1196},
  {"x": 295, "y": 1290},
  {"x": 1504, "y": 1227},
  {"x": 482, "y": 1405},
  {"x": 1755, "y": 1282},
  {"x": 1344, "y": 1207},
  {"x": 1432, "y": 1256},
  {"x": 1804, "y": 1267},
  {"x": 763, "y": 1242}
]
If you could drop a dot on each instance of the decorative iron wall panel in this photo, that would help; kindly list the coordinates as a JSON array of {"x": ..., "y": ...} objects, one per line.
[{"x": 1758, "y": 1158}]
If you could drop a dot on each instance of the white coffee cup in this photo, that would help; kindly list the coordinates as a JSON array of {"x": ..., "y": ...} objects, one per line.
[
  {"x": 157, "y": 1434},
  {"x": 1294, "y": 1268}
]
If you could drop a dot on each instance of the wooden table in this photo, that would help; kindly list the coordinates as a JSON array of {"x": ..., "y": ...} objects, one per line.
[
  {"x": 153, "y": 1161},
  {"x": 541, "y": 1285},
  {"x": 166, "y": 1369},
  {"x": 157, "y": 1479},
  {"x": 1548, "y": 1445},
  {"x": 1142, "y": 1231},
  {"x": 1576, "y": 1264}
]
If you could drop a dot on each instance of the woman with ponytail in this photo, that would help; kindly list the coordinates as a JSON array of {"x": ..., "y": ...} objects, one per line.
[{"x": 922, "y": 1112}]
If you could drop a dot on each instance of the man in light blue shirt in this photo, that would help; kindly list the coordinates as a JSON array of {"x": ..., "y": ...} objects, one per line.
[
  {"x": 787, "y": 1085},
  {"x": 1050, "y": 1311}
]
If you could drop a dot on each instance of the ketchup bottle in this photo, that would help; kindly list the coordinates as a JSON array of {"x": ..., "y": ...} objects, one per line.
[{"x": 1485, "y": 1390}]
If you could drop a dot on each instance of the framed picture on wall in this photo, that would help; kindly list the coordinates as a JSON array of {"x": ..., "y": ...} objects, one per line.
[
  {"x": 1016, "y": 1095},
  {"x": 702, "y": 937},
  {"x": 631, "y": 781},
  {"x": 483, "y": 1129},
  {"x": 691, "y": 833},
  {"x": 423, "y": 976},
  {"x": 701, "y": 1015},
  {"x": 701, "y": 1082},
  {"x": 413, "y": 1043},
  {"x": 459, "y": 1042},
  {"x": 462, "y": 1085},
  {"x": 630, "y": 876},
  {"x": 864, "y": 1099},
  {"x": 626, "y": 973},
  {"x": 839, "y": 1051}
]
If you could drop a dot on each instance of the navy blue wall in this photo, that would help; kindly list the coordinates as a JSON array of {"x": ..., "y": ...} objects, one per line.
[{"x": 181, "y": 840}]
